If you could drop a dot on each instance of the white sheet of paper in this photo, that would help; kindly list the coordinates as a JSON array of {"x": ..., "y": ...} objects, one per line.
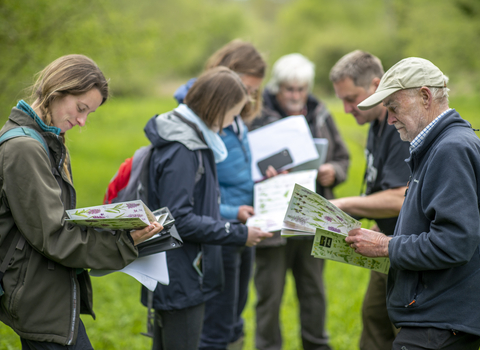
[
  {"x": 148, "y": 270},
  {"x": 291, "y": 133},
  {"x": 272, "y": 196},
  {"x": 322, "y": 149},
  {"x": 268, "y": 222}
]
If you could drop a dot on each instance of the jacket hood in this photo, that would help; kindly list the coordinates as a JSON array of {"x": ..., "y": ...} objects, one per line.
[
  {"x": 181, "y": 92},
  {"x": 166, "y": 128}
]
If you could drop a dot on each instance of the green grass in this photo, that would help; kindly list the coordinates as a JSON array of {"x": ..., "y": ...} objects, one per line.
[{"x": 112, "y": 134}]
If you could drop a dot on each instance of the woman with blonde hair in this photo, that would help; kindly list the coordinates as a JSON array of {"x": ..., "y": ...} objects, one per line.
[{"x": 45, "y": 287}]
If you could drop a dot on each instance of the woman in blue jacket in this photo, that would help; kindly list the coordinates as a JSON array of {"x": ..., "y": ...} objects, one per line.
[{"x": 184, "y": 140}]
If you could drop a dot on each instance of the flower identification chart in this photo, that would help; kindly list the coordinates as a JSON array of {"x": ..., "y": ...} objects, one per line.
[{"x": 309, "y": 213}]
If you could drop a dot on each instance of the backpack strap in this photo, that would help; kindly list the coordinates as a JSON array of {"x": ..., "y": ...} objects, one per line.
[
  {"x": 150, "y": 316},
  {"x": 23, "y": 131},
  {"x": 142, "y": 189},
  {"x": 201, "y": 168}
]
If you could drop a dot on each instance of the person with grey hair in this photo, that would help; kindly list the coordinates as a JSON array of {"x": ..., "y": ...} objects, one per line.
[
  {"x": 434, "y": 252},
  {"x": 289, "y": 93},
  {"x": 355, "y": 77}
]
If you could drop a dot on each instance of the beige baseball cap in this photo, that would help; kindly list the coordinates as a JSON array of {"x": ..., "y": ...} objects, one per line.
[{"x": 412, "y": 72}]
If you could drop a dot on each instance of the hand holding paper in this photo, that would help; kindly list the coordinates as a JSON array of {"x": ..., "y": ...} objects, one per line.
[
  {"x": 368, "y": 242},
  {"x": 148, "y": 232},
  {"x": 310, "y": 213},
  {"x": 256, "y": 235}
]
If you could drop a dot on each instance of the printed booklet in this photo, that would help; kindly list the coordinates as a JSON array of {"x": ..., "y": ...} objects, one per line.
[
  {"x": 309, "y": 213},
  {"x": 131, "y": 215}
]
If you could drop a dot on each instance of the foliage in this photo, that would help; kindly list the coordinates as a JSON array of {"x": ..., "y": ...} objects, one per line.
[
  {"x": 142, "y": 45},
  {"x": 135, "y": 43},
  {"x": 390, "y": 29}
]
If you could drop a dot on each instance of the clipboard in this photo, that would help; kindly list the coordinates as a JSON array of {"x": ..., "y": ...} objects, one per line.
[
  {"x": 166, "y": 239},
  {"x": 322, "y": 148}
]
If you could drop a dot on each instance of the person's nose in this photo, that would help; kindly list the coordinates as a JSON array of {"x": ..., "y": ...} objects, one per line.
[
  {"x": 391, "y": 119},
  {"x": 82, "y": 119},
  {"x": 347, "y": 107},
  {"x": 296, "y": 94}
]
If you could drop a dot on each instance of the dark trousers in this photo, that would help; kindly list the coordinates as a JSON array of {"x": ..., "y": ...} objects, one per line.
[
  {"x": 412, "y": 338},
  {"x": 178, "y": 329},
  {"x": 82, "y": 342},
  {"x": 378, "y": 331},
  {"x": 272, "y": 264},
  {"x": 223, "y": 323}
]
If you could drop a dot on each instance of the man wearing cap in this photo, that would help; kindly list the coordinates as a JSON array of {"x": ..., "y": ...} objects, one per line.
[
  {"x": 355, "y": 77},
  {"x": 434, "y": 278}
]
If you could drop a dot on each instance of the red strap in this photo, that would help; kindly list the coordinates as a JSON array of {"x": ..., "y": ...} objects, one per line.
[{"x": 119, "y": 181}]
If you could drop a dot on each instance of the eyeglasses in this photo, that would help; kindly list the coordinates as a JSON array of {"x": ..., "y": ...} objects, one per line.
[{"x": 253, "y": 93}]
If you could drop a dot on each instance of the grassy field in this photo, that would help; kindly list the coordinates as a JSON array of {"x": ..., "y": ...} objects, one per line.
[{"x": 111, "y": 135}]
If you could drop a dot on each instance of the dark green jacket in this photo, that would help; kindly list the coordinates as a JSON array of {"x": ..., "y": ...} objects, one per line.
[{"x": 44, "y": 295}]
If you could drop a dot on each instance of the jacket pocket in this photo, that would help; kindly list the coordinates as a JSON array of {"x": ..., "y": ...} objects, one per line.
[
  {"x": 404, "y": 288},
  {"x": 22, "y": 259}
]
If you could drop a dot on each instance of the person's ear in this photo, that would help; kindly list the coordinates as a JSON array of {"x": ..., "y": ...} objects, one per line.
[
  {"x": 374, "y": 84},
  {"x": 426, "y": 96}
]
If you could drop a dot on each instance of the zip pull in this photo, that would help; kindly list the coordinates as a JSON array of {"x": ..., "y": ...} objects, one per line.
[
  {"x": 454, "y": 331},
  {"x": 411, "y": 303},
  {"x": 408, "y": 185}
]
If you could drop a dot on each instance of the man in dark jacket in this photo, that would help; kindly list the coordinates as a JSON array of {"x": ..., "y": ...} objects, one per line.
[
  {"x": 434, "y": 253},
  {"x": 288, "y": 93},
  {"x": 355, "y": 77}
]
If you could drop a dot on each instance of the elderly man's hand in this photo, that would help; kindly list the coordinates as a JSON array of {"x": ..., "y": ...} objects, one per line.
[{"x": 368, "y": 243}]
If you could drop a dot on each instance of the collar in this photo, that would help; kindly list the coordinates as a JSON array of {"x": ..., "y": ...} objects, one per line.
[
  {"x": 418, "y": 140},
  {"x": 22, "y": 105}
]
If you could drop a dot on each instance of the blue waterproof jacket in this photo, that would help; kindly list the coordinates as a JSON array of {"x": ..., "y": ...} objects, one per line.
[
  {"x": 434, "y": 277},
  {"x": 235, "y": 172},
  {"x": 195, "y": 208}
]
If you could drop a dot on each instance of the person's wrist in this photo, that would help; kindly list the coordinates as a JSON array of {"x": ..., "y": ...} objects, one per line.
[{"x": 385, "y": 246}]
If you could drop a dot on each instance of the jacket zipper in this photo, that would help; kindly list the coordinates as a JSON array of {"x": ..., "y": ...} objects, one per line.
[
  {"x": 74, "y": 308},
  {"x": 412, "y": 302}
]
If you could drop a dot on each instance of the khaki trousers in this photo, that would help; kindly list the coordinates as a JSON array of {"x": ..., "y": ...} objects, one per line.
[
  {"x": 378, "y": 331},
  {"x": 272, "y": 264}
]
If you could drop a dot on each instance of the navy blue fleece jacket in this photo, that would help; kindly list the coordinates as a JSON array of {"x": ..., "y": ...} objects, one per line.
[{"x": 434, "y": 277}]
